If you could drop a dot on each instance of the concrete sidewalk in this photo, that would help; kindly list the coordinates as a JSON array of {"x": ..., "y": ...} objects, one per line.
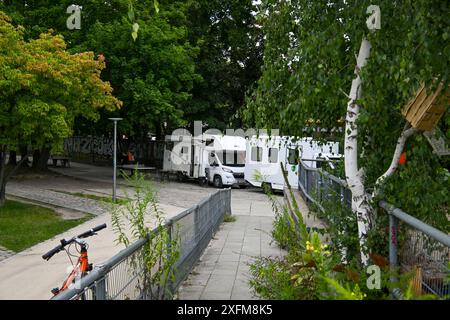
[
  {"x": 26, "y": 275},
  {"x": 223, "y": 269}
]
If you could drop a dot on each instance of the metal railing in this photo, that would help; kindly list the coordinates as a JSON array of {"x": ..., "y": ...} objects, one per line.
[
  {"x": 122, "y": 277},
  {"x": 425, "y": 250},
  {"x": 318, "y": 186}
]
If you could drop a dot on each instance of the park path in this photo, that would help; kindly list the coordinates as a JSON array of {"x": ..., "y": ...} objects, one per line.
[
  {"x": 57, "y": 199},
  {"x": 223, "y": 272}
]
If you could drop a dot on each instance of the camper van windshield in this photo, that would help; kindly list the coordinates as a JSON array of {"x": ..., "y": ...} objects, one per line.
[{"x": 232, "y": 158}]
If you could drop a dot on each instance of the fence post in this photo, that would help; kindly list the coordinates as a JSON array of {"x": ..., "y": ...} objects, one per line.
[
  {"x": 318, "y": 186},
  {"x": 393, "y": 258},
  {"x": 169, "y": 226},
  {"x": 100, "y": 288},
  {"x": 306, "y": 182}
]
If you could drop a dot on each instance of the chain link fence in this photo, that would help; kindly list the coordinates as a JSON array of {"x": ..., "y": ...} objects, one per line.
[{"x": 124, "y": 276}]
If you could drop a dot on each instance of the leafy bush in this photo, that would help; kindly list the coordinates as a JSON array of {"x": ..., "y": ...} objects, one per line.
[{"x": 135, "y": 221}]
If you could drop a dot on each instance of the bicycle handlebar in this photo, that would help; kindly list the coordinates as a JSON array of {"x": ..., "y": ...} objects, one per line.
[{"x": 64, "y": 243}]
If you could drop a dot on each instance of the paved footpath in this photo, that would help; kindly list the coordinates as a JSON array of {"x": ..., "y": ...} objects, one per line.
[{"x": 223, "y": 270}]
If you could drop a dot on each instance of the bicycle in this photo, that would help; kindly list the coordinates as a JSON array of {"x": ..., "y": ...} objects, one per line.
[{"x": 82, "y": 267}]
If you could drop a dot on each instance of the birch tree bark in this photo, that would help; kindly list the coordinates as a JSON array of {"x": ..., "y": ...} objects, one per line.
[
  {"x": 407, "y": 132},
  {"x": 354, "y": 176}
]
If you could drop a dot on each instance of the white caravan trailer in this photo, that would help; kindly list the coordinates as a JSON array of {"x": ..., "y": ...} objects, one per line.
[
  {"x": 216, "y": 159},
  {"x": 265, "y": 154}
]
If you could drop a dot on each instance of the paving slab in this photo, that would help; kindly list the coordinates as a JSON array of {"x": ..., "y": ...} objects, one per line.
[{"x": 239, "y": 243}]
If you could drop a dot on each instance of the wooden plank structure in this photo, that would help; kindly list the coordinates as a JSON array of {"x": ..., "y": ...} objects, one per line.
[{"x": 424, "y": 111}]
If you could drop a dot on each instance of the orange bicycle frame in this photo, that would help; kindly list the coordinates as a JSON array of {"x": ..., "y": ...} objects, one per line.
[{"x": 82, "y": 266}]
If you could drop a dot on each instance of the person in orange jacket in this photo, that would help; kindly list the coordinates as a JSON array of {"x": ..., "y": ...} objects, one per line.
[{"x": 130, "y": 157}]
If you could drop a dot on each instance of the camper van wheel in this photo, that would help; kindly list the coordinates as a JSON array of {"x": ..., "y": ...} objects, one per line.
[
  {"x": 180, "y": 177},
  {"x": 202, "y": 181},
  {"x": 218, "y": 182}
]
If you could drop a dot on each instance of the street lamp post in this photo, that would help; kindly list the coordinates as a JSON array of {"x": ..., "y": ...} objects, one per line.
[{"x": 115, "y": 157}]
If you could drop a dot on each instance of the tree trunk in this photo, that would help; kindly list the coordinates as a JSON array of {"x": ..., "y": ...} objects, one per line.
[
  {"x": 41, "y": 163},
  {"x": 12, "y": 158},
  {"x": 23, "y": 154},
  {"x": 2, "y": 194},
  {"x": 158, "y": 131},
  {"x": 36, "y": 156},
  {"x": 406, "y": 133},
  {"x": 354, "y": 176},
  {"x": 2, "y": 175}
]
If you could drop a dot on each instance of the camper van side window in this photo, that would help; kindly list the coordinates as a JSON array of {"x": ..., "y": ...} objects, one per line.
[
  {"x": 256, "y": 154},
  {"x": 184, "y": 150},
  {"x": 273, "y": 155},
  {"x": 293, "y": 156}
]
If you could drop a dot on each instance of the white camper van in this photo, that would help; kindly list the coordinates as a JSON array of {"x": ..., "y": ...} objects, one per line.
[
  {"x": 265, "y": 154},
  {"x": 216, "y": 159}
]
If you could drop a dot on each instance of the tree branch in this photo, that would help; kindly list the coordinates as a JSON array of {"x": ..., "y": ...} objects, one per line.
[{"x": 406, "y": 133}]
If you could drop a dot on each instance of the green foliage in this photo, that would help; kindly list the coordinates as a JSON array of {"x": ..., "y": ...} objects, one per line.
[
  {"x": 44, "y": 88},
  {"x": 135, "y": 221},
  {"x": 313, "y": 269},
  {"x": 309, "y": 60},
  {"x": 155, "y": 73},
  {"x": 229, "y": 218},
  {"x": 229, "y": 60},
  {"x": 271, "y": 279},
  {"x": 152, "y": 73}
]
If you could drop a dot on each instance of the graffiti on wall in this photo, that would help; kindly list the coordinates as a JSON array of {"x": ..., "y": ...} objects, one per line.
[{"x": 101, "y": 146}]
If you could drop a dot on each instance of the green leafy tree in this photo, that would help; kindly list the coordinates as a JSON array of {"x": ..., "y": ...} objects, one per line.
[
  {"x": 145, "y": 45},
  {"x": 229, "y": 61},
  {"x": 43, "y": 88},
  {"x": 309, "y": 66},
  {"x": 153, "y": 73}
]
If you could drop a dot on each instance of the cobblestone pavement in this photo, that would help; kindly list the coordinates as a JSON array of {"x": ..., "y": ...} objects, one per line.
[{"x": 57, "y": 198}]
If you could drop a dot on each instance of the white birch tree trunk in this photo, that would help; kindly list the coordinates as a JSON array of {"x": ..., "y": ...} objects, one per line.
[
  {"x": 406, "y": 133},
  {"x": 354, "y": 176}
]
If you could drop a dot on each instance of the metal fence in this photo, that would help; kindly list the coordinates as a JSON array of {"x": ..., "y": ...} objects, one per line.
[
  {"x": 123, "y": 277},
  {"x": 318, "y": 186},
  {"x": 425, "y": 251}
]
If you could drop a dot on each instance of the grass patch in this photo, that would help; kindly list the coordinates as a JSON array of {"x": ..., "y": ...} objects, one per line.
[
  {"x": 24, "y": 225},
  {"x": 120, "y": 201},
  {"x": 229, "y": 218}
]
